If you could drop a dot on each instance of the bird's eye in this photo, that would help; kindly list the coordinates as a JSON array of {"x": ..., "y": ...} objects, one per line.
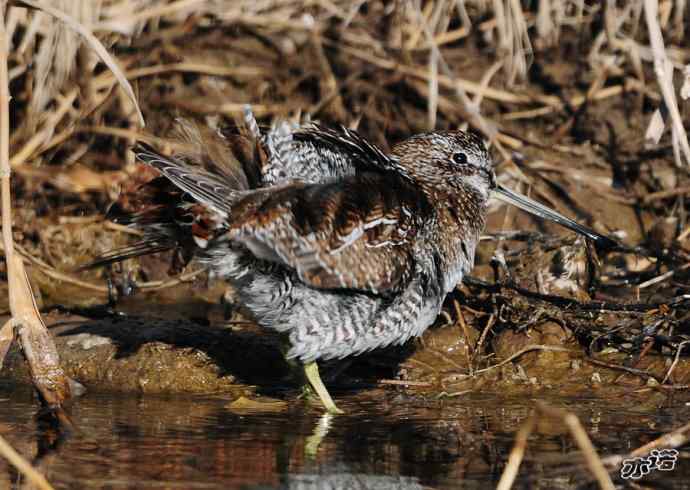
[{"x": 460, "y": 158}]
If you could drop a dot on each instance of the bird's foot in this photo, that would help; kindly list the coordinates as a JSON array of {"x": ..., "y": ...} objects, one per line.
[
  {"x": 125, "y": 286},
  {"x": 311, "y": 371}
]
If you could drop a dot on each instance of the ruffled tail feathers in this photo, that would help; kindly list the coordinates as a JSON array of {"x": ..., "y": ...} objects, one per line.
[
  {"x": 183, "y": 201},
  {"x": 180, "y": 202}
]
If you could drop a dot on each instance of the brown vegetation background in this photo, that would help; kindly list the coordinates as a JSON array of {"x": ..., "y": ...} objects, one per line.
[{"x": 568, "y": 87}]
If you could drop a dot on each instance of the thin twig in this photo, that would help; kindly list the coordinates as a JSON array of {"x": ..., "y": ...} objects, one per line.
[
  {"x": 675, "y": 361},
  {"x": 466, "y": 334},
  {"x": 617, "y": 367},
  {"x": 61, "y": 276},
  {"x": 516, "y": 454},
  {"x": 665, "y": 194},
  {"x": 402, "y": 382},
  {"x": 596, "y": 466},
  {"x": 485, "y": 331},
  {"x": 597, "y": 306},
  {"x": 594, "y": 462},
  {"x": 55, "y": 274},
  {"x": 109, "y": 225},
  {"x": 529, "y": 348},
  {"x": 38, "y": 346},
  {"x": 663, "y": 277},
  {"x": 670, "y": 440},
  {"x": 18, "y": 461},
  {"x": 158, "y": 285}
]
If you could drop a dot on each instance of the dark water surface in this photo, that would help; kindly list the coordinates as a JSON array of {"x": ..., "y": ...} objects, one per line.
[{"x": 384, "y": 442}]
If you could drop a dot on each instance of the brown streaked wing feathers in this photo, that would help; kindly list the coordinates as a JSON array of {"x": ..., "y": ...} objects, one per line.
[{"x": 357, "y": 233}]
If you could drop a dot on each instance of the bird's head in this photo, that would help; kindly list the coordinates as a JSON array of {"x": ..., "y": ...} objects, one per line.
[{"x": 449, "y": 160}]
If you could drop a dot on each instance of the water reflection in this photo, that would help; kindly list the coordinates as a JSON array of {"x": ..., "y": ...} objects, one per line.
[
  {"x": 341, "y": 478},
  {"x": 385, "y": 441}
]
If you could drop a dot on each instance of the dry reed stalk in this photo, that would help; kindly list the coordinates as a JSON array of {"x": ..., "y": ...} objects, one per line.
[
  {"x": 592, "y": 459},
  {"x": 516, "y": 454},
  {"x": 526, "y": 349},
  {"x": 23, "y": 465},
  {"x": 670, "y": 440},
  {"x": 38, "y": 346},
  {"x": 94, "y": 44},
  {"x": 44, "y": 138},
  {"x": 676, "y": 358},
  {"x": 6, "y": 338},
  {"x": 445, "y": 81},
  {"x": 514, "y": 44},
  {"x": 673, "y": 439},
  {"x": 663, "y": 69}
]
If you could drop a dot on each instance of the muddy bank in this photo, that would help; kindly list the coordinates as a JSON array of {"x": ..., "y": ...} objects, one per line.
[
  {"x": 138, "y": 354},
  {"x": 157, "y": 355}
]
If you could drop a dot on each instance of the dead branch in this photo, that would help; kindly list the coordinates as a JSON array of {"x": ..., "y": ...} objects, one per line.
[{"x": 37, "y": 344}]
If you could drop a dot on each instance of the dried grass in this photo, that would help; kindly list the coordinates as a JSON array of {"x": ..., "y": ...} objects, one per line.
[
  {"x": 574, "y": 426},
  {"x": 415, "y": 39},
  {"x": 663, "y": 68},
  {"x": 19, "y": 462}
]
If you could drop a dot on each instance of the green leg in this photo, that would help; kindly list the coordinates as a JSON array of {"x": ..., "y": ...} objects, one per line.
[{"x": 311, "y": 371}]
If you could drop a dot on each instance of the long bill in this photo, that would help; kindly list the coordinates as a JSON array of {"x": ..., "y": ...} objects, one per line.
[{"x": 533, "y": 207}]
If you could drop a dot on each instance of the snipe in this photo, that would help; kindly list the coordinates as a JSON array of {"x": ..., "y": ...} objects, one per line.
[{"x": 324, "y": 237}]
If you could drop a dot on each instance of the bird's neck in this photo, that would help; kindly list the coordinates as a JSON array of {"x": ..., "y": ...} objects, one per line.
[
  {"x": 462, "y": 216},
  {"x": 465, "y": 208}
]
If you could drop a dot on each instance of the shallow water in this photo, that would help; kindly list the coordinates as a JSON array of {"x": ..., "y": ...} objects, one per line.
[{"x": 387, "y": 441}]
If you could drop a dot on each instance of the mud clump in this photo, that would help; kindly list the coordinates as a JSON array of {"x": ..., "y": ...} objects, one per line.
[{"x": 149, "y": 355}]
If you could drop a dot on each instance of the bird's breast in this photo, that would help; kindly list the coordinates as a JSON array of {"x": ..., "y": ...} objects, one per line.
[
  {"x": 456, "y": 244},
  {"x": 460, "y": 262}
]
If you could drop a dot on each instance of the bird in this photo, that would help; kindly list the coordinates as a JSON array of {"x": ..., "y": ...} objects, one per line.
[{"x": 339, "y": 246}]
